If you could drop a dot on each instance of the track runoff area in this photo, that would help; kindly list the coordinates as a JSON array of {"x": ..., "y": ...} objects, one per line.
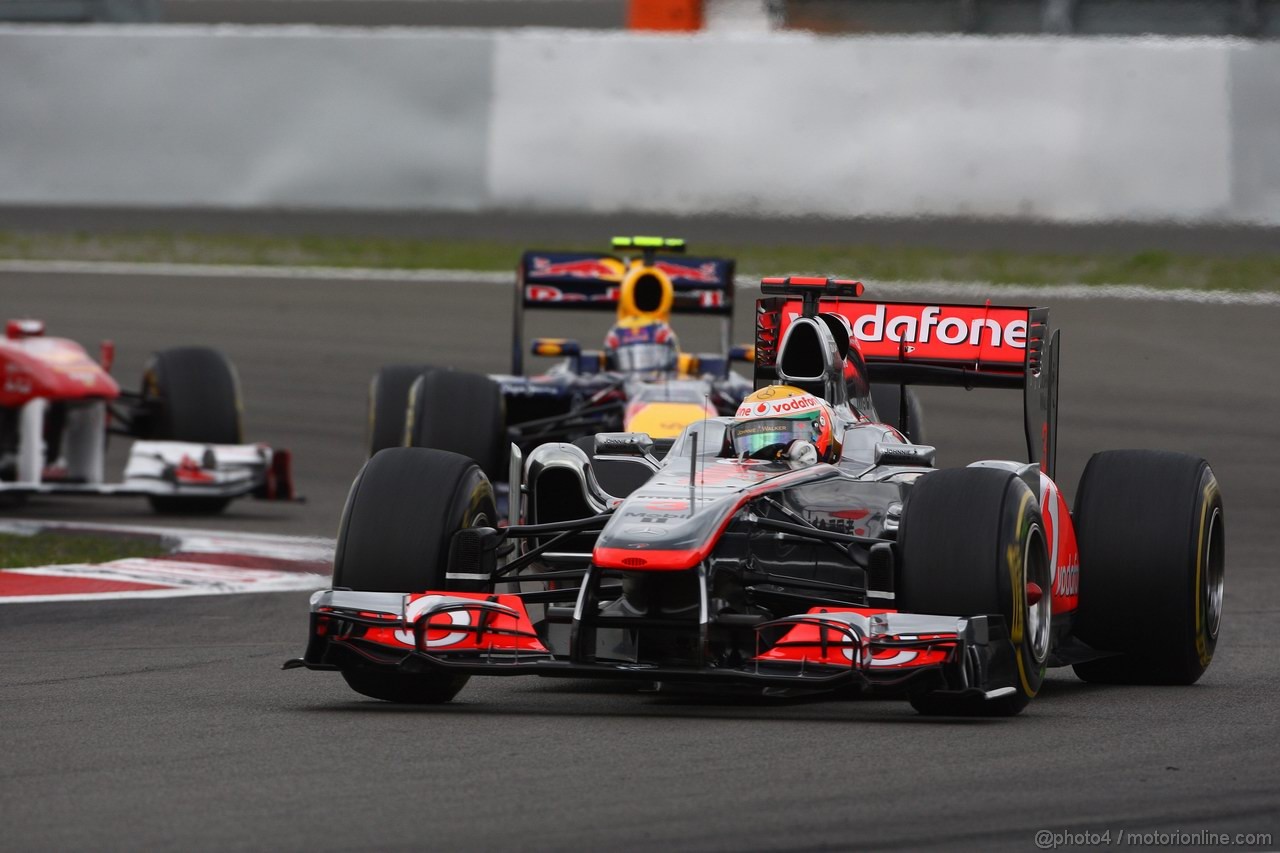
[{"x": 186, "y": 734}]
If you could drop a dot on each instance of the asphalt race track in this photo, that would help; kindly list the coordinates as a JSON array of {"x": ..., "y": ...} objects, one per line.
[{"x": 168, "y": 724}]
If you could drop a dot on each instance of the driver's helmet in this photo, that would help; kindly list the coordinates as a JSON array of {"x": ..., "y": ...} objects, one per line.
[
  {"x": 643, "y": 347},
  {"x": 770, "y": 419}
]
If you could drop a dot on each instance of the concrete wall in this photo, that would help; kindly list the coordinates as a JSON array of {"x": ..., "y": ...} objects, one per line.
[{"x": 770, "y": 124}]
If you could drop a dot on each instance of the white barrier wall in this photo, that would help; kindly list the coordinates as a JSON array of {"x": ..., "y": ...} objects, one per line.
[
  {"x": 243, "y": 117},
  {"x": 770, "y": 124}
]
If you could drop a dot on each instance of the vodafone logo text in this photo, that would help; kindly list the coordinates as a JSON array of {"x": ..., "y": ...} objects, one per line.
[
  {"x": 930, "y": 324},
  {"x": 987, "y": 333},
  {"x": 788, "y": 406}
]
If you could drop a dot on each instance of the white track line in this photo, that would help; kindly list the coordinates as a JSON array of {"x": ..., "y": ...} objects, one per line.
[
  {"x": 245, "y": 271},
  {"x": 950, "y": 290}
]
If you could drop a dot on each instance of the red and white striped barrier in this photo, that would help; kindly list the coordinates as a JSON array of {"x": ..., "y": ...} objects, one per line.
[{"x": 199, "y": 563}]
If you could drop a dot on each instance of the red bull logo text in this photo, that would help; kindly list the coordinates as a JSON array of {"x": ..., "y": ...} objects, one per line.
[
  {"x": 608, "y": 269},
  {"x": 705, "y": 273}
]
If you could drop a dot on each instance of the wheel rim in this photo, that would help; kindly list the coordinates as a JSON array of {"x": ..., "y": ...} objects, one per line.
[
  {"x": 1215, "y": 572},
  {"x": 1036, "y": 570}
]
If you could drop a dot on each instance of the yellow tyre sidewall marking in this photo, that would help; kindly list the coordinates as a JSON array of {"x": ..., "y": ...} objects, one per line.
[
  {"x": 1202, "y": 629},
  {"x": 1013, "y": 556}
]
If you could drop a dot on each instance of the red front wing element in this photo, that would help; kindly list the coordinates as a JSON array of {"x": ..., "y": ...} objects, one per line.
[
  {"x": 455, "y": 627},
  {"x": 819, "y": 640}
]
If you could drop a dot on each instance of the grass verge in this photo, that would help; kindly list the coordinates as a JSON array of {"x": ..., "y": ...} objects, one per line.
[
  {"x": 883, "y": 263},
  {"x": 53, "y": 548}
]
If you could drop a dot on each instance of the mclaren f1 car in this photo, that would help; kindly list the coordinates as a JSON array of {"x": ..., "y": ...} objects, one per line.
[
  {"x": 58, "y": 406},
  {"x": 640, "y": 381},
  {"x": 800, "y": 545}
]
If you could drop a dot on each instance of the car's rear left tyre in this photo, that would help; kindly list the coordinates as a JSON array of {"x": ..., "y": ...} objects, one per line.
[
  {"x": 401, "y": 514},
  {"x": 1152, "y": 538},
  {"x": 388, "y": 404},
  {"x": 971, "y": 542},
  {"x": 193, "y": 394},
  {"x": 462, "y": 413}
]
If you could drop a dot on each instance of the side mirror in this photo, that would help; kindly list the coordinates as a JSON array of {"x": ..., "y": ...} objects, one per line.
[
  {"x": 624, "y": 444},
  {"x": 553, "y": 347},
  {"x": 107, "y": 355},
  {"x": 743, "y": 353},
  {"x": 912, "y": 455},
  {"x": 16, "y": 330}
]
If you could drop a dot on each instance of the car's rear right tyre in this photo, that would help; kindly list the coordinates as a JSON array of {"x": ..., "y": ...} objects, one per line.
[
  {"x": 1152, "y": 538},
  {"x": 400, "y": 517},
  {"x": 388, "y": 404},
  {"x": 971, "y": 540}
]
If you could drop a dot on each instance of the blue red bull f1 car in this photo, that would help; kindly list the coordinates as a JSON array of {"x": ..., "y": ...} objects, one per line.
[
  {"x": 639, "y": 381},
  {"x": 796, "y": 545}
]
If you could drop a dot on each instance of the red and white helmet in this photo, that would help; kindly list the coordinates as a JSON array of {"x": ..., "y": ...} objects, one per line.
[{"x": 770, "y": 419}]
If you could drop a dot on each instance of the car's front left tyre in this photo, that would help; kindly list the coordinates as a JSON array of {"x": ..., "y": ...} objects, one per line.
[
  {"x": 972, "y": 543},
  {"x": 193, "y": 394},
  {"x": 399, "y": 520}
]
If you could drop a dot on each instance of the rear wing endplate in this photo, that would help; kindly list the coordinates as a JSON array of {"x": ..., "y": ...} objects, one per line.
[{"x": 918, "y": 343}]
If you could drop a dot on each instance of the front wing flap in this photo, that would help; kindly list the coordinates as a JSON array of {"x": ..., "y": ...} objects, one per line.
[
  {"x": 184, "y": 469},
  {"x": 482, "y": 634}
]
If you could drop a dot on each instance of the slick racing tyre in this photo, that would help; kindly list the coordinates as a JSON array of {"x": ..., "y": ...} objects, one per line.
[
  {"x": 971, "y": 542},
  {"x": 462, "y": 413},
  {"x": 887, "y": 399},
  {"x": 388, "y": 404},
  {"x": 401, "y": 514},
  {"x": 1152, "y": 539},
  {"x": 194, "y": 395}
]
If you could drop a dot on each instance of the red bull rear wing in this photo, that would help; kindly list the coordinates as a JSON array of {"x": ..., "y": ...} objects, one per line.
[
  {"x": 592, "y": 281},
  {"x": 919, "y": 343}
]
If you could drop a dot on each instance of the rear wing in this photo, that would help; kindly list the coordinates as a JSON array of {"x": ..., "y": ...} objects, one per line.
[
  {"x": 591, "y": 281},
  {"x": 919, "y": 343}
]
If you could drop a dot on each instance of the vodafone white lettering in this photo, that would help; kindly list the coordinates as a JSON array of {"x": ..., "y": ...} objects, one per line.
[
  {"x": 876, "y": 327},
  {"x": 788, "y": 406}
]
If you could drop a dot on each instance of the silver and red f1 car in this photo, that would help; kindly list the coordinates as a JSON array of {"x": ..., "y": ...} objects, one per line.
[
  {"x": 955, "y": 588},
  {"x": 57, "y": 407}
]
